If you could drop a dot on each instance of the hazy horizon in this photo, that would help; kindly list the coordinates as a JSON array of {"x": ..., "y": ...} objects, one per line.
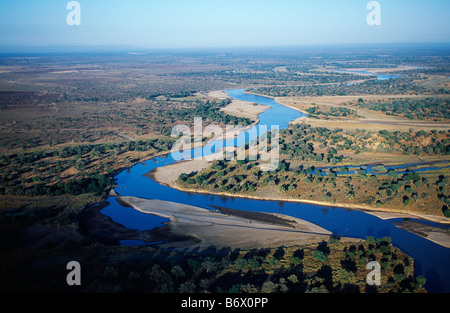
[
  {"x": 218, "y": 24},
  {"x": 139, "y": 50}
]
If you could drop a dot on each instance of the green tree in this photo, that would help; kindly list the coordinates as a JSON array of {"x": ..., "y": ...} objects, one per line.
[
  {"x": 320, "y": 255},
  {"x": 392, "y": 173},
  {"x": 421, "y": 280},
  {"x": 220, "y": 174},
  {"x": 268, "y": 287},
  {"x": 406, "y": 201},
  {"x": 178, "y": 272}
]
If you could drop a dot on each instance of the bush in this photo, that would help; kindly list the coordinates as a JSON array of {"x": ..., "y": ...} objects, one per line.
[
  {"x": 268, "y": 287},
  {"x": 320, "y": 255},
  {"x": 406, "y": 201},
  {"x": 421, "y": 280},
  {"x": 220, "y": 174},
  {"x": 446, "y": 211},
  {"x": 183, "y": 177},
  {"x": 392, "y": 173},
  {"x": 178, "y": 272}
]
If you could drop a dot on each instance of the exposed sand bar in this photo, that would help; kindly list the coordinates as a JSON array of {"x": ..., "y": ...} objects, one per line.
[
  {"x": 223, "y": 230},
  {"x": 168, "y": 174},
  {"x": 438, "y": 235},
  {"x": 240, "y": 108}
]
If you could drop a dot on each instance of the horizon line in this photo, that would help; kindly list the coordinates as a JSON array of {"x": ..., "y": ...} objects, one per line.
[{"x": 135, "y": 48}]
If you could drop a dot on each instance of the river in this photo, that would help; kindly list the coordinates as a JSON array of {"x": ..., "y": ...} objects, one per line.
[
  {"x": 378, "y": 76},
  {"x": 431, "y": 259}
]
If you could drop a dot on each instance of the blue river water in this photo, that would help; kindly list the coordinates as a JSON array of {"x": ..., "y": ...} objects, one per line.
[
  {"x": 431, "y": 259},
  {"x": 378, "y": 76}
]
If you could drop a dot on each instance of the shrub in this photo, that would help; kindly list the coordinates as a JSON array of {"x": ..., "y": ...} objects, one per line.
[
  {"x": 446, "y": 211},
  {"x": 320, "y": 255},
  {"x": 392, "y": 173},
  {"x": 220, "y": 174},
  {"x": 406, "y": 201},
  {"x": 183, "y": 177},
  {"x": 421, "y": 280}
]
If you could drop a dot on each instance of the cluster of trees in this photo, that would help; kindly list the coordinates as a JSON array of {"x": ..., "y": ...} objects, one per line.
[
  {"x": 268, "y": 76},
  {"x": 95, "y": 184},
  {"x": 405, "y": 185},
  {"x": 429, "y": 108},
  {"x": 399, "y": 266},
  {"x": 39, "y": 172},
  {"x": 297, "y": 143},
  {"x": 316, "y": 112},
  {"x": 210, "y": 110},
  {"x": 215, "y": 179},
  {"x": 410, "y": 143},
  {"x": 372, "y": 87},
  {"x": 442, "y": 185},
  {"x": 298, "y": 140},
  {"x": 327, "y": 267},
  {"x": 116, "y": 148}
]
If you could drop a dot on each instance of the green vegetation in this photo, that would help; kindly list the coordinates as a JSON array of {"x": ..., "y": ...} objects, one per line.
[
  {"x": 305, "y": 150},
  {"x": 423, "y": 109},
  {"x": 332, "y": 112},
  {"x": 209, "y": 110},
  {"x": 369, "y": 87},
  {"x": 297, "y": 269},
  {"x": 72, "y": 170}
]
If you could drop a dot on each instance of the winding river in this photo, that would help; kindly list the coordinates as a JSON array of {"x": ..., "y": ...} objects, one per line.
[{"x": 431, "y": 259}]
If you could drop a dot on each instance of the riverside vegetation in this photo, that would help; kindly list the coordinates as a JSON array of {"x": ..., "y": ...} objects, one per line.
[
  {"x": 324, "y": 267},
  {"x": 322, "y": 164}
]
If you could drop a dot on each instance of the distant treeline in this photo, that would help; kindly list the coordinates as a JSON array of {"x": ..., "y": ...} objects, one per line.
[{"x": 371, "y": 86}]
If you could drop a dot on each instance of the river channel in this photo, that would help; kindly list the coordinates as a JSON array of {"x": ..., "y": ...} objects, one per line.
[{"x": 431, "y": 260}]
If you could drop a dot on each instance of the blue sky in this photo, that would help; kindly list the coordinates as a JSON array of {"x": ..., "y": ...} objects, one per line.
[{"x": 227, "y": 23}]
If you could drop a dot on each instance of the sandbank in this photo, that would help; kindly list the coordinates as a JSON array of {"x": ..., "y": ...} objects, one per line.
[
  {"x": 239, "y": 108},
  {"x": 213, "y": 228}
]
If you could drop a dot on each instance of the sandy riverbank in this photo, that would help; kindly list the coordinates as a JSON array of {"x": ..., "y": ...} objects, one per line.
[
  {"x": 239, "y": 108},
  {"x": 167, "y": 175},
  {"x": 252, "y": 230}
]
